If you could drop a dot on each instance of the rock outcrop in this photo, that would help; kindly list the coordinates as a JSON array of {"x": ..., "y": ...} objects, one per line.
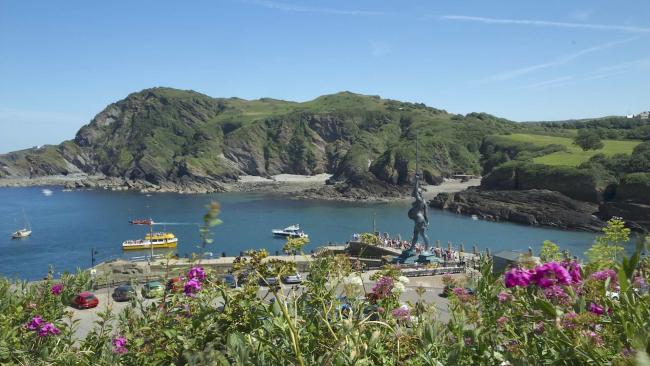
[{"x": 529, "y": 207}]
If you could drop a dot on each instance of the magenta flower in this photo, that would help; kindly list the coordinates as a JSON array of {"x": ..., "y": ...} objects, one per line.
[
  {"x": 35, "y": 323},
  {"x": 504, "y": 296},
  {"x": 119, "y": 345},
  {"x": 48, "y": 329},
  {"x": 556, "y": 293},
  {"x": 639, "y": 282},
  {"x": 594, "y": 337},
  {"x": 401, "y": 313},
  {"x": 56, "y": 289},
  {"x": 196, "y": 272},
  {"x": 517, "y": 277},
  {"x": 568, "y": 321},
  {"x": 598, "y": 310},
  {"x": 549, "y": 274},
  {"x": 192, "y": 286},
  {"x": 574, "y": 271},
  {"x": 604, "y": 275},
  {"x": 383, "y": 287}
]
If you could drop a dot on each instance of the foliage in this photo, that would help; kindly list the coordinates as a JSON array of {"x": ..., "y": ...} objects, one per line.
[
  {"x": 550, "y": 252},
  {"x": 607, "y": 248},
  {"x": 588, "y": 140},
  {"x": 295, "y": 245},
  {"x": 369, "y": 238}
]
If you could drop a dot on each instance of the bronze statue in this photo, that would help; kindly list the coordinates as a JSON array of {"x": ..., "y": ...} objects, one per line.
[{"x": 418, "y": 213}]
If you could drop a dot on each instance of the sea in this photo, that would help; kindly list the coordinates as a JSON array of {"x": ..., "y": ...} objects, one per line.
[{"x": 69, "y": 226}]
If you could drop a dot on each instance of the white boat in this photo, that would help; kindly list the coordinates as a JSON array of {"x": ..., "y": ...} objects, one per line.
[
  {"x": 25, "y": 231},
  {"x": 292, "y": 231}
]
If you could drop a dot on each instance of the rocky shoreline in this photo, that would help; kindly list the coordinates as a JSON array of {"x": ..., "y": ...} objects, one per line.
[{"x": 534, "y": 207}]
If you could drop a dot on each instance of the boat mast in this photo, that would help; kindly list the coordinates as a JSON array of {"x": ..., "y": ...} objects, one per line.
[{"x": 26, "y": 223}]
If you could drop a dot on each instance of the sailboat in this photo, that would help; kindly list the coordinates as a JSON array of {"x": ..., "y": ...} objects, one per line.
[{"x": 24, "y": 232}]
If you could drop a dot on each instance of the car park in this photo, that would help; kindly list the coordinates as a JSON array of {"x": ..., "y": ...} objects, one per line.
[{"x": 123, "y": 293}]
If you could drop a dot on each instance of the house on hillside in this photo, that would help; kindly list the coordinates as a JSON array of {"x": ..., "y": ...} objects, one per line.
[{"x": 644, "y": 115}]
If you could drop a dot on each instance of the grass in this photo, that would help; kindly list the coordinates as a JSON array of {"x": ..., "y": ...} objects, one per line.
[{"x": 574, "y": 155}]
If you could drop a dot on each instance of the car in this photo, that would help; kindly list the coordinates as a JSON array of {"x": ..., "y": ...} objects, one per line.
[
  {"x": 229, "y": 280},
  {"x": 153, "y": 289},
  {"x": 175, "y": 284},
  {"x": 269, "y": 282},
  {"x": 291, "y": 279},
  {"x": 446, "y": 291},
  {"x": 242, "y": 277},
  {"x": 123, "y": 293},
  {"x": 85, "y": 300}
]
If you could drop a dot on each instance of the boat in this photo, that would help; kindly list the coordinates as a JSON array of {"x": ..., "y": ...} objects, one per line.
[
  {"x": 141, "y": 222},
  {"x": 292, "y": 231},
  {"x": 152, "y": 241},
  {"x": 24, "y": 232}
]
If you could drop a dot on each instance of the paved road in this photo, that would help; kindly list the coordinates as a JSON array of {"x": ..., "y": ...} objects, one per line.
[{"x": 88, "y": 317}]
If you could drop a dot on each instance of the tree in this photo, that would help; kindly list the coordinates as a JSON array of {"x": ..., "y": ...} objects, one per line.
[
  {"x": 294, "y": 245},
  {"x": 588, "y": 140}
]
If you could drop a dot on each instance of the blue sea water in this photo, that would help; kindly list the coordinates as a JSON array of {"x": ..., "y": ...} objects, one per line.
[{"x": 68, "y": 225}]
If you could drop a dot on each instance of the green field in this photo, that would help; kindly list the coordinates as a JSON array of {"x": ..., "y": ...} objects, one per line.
[{"x": 574, "y": 155}]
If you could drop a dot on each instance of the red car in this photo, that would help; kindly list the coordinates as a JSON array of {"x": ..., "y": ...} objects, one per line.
[{"x": 85, "y": 300}]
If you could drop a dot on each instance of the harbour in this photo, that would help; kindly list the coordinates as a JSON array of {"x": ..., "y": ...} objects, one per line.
[{"x": 78, "y": 229}]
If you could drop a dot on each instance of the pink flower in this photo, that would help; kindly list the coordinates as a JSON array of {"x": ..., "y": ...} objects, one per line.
[
  {"x": 504, "y": 296},
  {"x": 517, "y": 277},
  {"x": 569, "y": 320},
  {"x": 119, "y": 345},
  {"x": 549, "y": 274},
  {"x": 401, "y": 313},
  {"x": 56, "y": 289},
  {"x": 502, "y": 321},
  {"x": 196, "y": 272},
  {"x": 192, "y": 286},
  {"x": 605, "y": 274},
  {"x": 383, "y": 287},
  {"x": 639, "y": 282},
  {"x": 538, "y": 328},
  {"x": 595, "y": 309},
  {"x": 574, "y": 271},
  {"x": 35, "y": 323},
  {"x": 556, "y": 293},
  {"x": 48, "y": 329},
  {"x": 594, "y": 337}
]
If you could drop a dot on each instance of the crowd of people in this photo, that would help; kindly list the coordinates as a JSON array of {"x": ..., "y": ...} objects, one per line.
[{"x": 386, "y": 240}]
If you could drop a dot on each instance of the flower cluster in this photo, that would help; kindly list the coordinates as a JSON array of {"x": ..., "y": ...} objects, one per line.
[
  {"x": 196, "y": 273},
  {"x": 545, "y": 275},
  {"x": 504, "y": 297},
  {"x": 557, "y": 293},
  {"x": 56, "y": 289},
  {"x": 43, "y": 329},
  {"x": 604, "y": 275},
  {"x": 517, "y": 277},
  {"x": 401, "y": 313},
  {"x": 383, "y": 287},
  {"x": 119, "y": 345},
  {"x": 192, "y": 286}
]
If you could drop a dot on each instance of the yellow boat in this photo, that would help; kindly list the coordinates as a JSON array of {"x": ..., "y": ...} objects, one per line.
[{"x": 155, "y": 240}]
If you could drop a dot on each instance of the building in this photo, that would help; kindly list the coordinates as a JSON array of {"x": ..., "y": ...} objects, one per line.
[{"x": 505, "y": 259}]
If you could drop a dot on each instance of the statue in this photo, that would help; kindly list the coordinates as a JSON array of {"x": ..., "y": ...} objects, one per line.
[{"x": 418, "y": 213}]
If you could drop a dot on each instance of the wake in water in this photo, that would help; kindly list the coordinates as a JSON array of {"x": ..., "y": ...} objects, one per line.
[{"x": 177, "y": 223}]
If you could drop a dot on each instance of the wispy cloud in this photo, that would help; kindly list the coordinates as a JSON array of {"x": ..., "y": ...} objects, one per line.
[
  {"x": 600, "y": 73},
  {"x": 545, "y": 23},
  {"x": 581, "y": 15},
  {"x": 309, "y": 9},
  {"x": 557, "y": 62}
]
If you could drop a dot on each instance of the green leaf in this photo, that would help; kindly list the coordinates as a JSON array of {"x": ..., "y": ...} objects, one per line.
[{"x": 547, "y": 307}]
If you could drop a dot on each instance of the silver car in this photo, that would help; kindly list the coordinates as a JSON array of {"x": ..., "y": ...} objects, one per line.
[{"x": 294, "y": 278}]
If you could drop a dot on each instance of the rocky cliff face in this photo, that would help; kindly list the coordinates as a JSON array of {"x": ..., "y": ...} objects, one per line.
[{"x": 175, "y": 139}]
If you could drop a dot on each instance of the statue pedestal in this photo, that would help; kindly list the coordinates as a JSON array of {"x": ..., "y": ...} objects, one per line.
[{"x": 409, "y": 256}]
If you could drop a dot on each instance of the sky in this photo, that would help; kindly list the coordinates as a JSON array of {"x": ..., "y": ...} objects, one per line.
[{"x": 62, "y": 62}]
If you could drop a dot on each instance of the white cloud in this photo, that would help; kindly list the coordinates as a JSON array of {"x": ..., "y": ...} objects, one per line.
[
  {"x": 309, "y": 9},
  {"x": 545, "y": 23},
  {"x": 581, "y": 15},
  {"x": 511, "y": 74}
]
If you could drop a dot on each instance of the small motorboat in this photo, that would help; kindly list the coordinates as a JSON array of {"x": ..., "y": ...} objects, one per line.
[
  {"x": 292, "y": 231},
  {"x": 141, "y": 222}
]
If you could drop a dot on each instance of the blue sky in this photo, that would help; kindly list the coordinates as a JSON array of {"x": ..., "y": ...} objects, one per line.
[{"x": 62, "y": 62}]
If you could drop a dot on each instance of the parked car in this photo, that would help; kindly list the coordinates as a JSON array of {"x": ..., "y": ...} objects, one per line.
[
  {"x": 242, "y": 277},
  {"x": 153, "y": 289},
  {"x": 269, "y": 282},
  {"x": 291, "y": 279},
  {"x": 123, "y": 293},
  {"x": 85, "y": 300},
  {"x": 175, "y": 284},
  {"x": 229, "y": 280}
]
